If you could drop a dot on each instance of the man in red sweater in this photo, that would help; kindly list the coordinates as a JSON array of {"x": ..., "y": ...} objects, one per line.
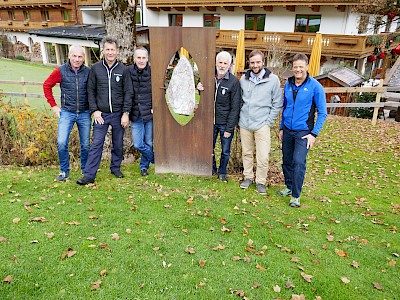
[{"x": 72, "y": 77}]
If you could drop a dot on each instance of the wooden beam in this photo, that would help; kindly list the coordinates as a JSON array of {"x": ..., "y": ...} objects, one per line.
[
  {"x": 166, "y": 8},
  {"x": 341, "y": 8},
  {"x": 229, "y": 8},
  {"x": 179, "y": 8},
  {"x": 154, "y": 8},
  {"x": 247, "y": 8},
  {"x": 315, "y": 8},
  {"x": 211, "y": 8},
  {"x": 194, "y": 8},
  {"x": 290, "y": 7},
  {"x": 268, "y": 8}
]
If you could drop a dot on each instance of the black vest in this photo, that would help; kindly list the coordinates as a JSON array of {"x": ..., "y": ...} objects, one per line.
[
  {"x": 142, "y": 101},
  {"x": 74, "y": 88}
]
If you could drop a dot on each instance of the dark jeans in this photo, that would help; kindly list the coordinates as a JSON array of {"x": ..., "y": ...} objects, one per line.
[
  {"x": 99, "y": 135},
  {"x": 294, "y": 150},
  {"x": 225, "y": 147}
]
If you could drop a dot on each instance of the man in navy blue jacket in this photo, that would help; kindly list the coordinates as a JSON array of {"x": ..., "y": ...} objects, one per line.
[{"x": 303, "y": 96}]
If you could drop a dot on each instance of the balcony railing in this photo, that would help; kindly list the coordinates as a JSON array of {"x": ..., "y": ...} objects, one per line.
[
  {"x": 30, "y": 25},
  {"x": 30, "y": 3},
  {"x": 242, "y": 3},
  {"x": 349, "y": 46}
]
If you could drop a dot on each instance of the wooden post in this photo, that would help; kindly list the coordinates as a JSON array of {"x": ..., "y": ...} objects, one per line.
[
  {"x": 376, "y": 108},
  {"x": 24, "y": 90},
  {"x": 58, "y": 55}
]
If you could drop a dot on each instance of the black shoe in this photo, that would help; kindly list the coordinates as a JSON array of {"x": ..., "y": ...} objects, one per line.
[
  {"x": 117, "y": 173},
  {"x": 144, "y": 172},
  {"x": 85, "y": 180}
]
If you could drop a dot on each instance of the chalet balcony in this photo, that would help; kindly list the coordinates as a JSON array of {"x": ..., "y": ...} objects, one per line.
[
  {"x": 35, "y": 3},
  {"x": 30, "y": 25},
  {"x": 347, "y": 46},
  {"x": 231, "y": 5}
]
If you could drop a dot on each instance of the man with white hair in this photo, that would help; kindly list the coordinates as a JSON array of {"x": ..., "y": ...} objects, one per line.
[
  {"x": 227, "y": 102},
  {"x": 72, "y": 77}
]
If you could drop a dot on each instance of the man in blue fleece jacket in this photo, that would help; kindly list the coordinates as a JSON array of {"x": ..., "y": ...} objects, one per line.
[{"x": 303, "y": 96}]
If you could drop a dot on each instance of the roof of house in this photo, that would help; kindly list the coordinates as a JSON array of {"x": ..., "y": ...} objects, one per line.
[
  {"x": 343, "y": 76},
  {"x": 78, "y": 31}
]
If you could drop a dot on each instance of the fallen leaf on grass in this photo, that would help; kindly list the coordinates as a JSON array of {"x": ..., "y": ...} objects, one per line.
[
  {"x": 50, "y": 235},
  {"x": 354, "y": 264},
  {"x": 306, "y": 276},
  {"x": 289, "y": 285},
  {"x": 68, "y": 253},
  {"x": 8, "y": 279},
  {"x": 16, "y": 220},
  {"x": 38, "y": 219},
  {"x": 261, "y": 268},
  {"x": 345, "y": 280},
  {"x": 224, "y": 229},
  {"x": 103, "y": 272},
  {"x": 93, "y": 217},
  {"x": 341, "y": 253},
  {"x": 190, "y": 251},
  {"x": 392, "y": 263},
  {"x": 156, "y": 249},
  {"x": 202, "y": 263},
  {"x": 202, "y": 283},
  {"x": 313, "y": 252},
  {"x": 377, "y": 286},
  {"x": 128, "y": 231},
  {"x": 219, "y": 247},
  {"x": 298, "y": 297},
  {"x": 115, "y": 236},
  {"x": 330, "y": 238},
  {"x": 91, "y": 238},
  {"x": 294, "y": 259},
  {"x": 277, "y": 289},
  {"x": 236, "y": 258},
  {"x": 73, "y": 223},
  {"x": 3, "y": 240},
  {"x": 95, "y": 285},
  {"x": 247, "y": 259},
  {"x": 256, "y": 285},
  {"x": 165, "y": 265}
]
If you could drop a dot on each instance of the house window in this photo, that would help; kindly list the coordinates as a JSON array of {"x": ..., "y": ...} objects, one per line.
[
  {"x": 139, "y": 16},
  {"x": 27, "y": 15},
  {"x": 66, "y": 14},
  {"x": 378, "y": 24},
  {"x": 45, "y": 15},
  {"x": 11, "y": 15},
  {"x": 255, "y": 22},
  {"x": 212, "y": 20},
  {"x": 307, "y": 23},
  {"x": 362, "y": 25},
  {"x": 175, "y": 19}
]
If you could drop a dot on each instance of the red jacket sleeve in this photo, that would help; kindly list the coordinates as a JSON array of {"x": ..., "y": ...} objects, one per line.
[{"x": 49, "y": 83}]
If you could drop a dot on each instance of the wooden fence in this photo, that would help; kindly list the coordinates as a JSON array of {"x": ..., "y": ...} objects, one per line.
[{"x": 379, "y": 90}]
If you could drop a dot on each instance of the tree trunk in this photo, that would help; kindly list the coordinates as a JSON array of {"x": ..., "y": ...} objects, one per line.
[
  {"x": 397, "y": 116},
  {"x": 119, "y": 18}
]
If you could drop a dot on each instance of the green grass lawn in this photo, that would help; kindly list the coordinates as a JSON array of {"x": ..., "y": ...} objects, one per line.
[
  {"x": 185, "y": 237},
  {"x": 14, "y": 70}
]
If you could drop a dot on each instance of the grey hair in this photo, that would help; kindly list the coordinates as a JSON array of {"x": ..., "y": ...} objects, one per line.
[
  {"x": 301, "y": 56},
  {"x": 141, "y": 48},
  {"x": 76, "y": 48},
  {"x": 224, "y": 55},
  {"x": 109, "y": 40}
]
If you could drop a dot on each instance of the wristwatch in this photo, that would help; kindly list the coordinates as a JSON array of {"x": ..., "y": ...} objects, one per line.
[{"x": 126, "y": 112}]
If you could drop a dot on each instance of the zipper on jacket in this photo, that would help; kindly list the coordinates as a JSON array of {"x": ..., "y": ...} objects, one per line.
[
  {"x": 77, "y": 92},
  {"x": 109, "y": 73}
]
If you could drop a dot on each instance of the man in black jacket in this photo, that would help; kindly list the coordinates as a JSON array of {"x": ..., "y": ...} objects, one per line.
[
  {"x": 110, "y": 101},
  {"x": 142, "y": 109},
  {"x": 227, "y": 102}
]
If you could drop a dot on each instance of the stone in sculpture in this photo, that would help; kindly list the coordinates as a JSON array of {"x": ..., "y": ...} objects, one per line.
[{"x": 181, "y": 89}]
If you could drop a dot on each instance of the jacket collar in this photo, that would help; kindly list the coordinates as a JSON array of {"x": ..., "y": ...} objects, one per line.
[{"x": 266, "y": 75}]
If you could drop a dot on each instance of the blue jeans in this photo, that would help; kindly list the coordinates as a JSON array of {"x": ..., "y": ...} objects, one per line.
[
  {"x": 142, "y": 137},
  {"x": 99, "y": 135},
  {"x": 294, "y": 150},
  {"x": 225, "y": 149},
  {"x": 65, "y": 124}
]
